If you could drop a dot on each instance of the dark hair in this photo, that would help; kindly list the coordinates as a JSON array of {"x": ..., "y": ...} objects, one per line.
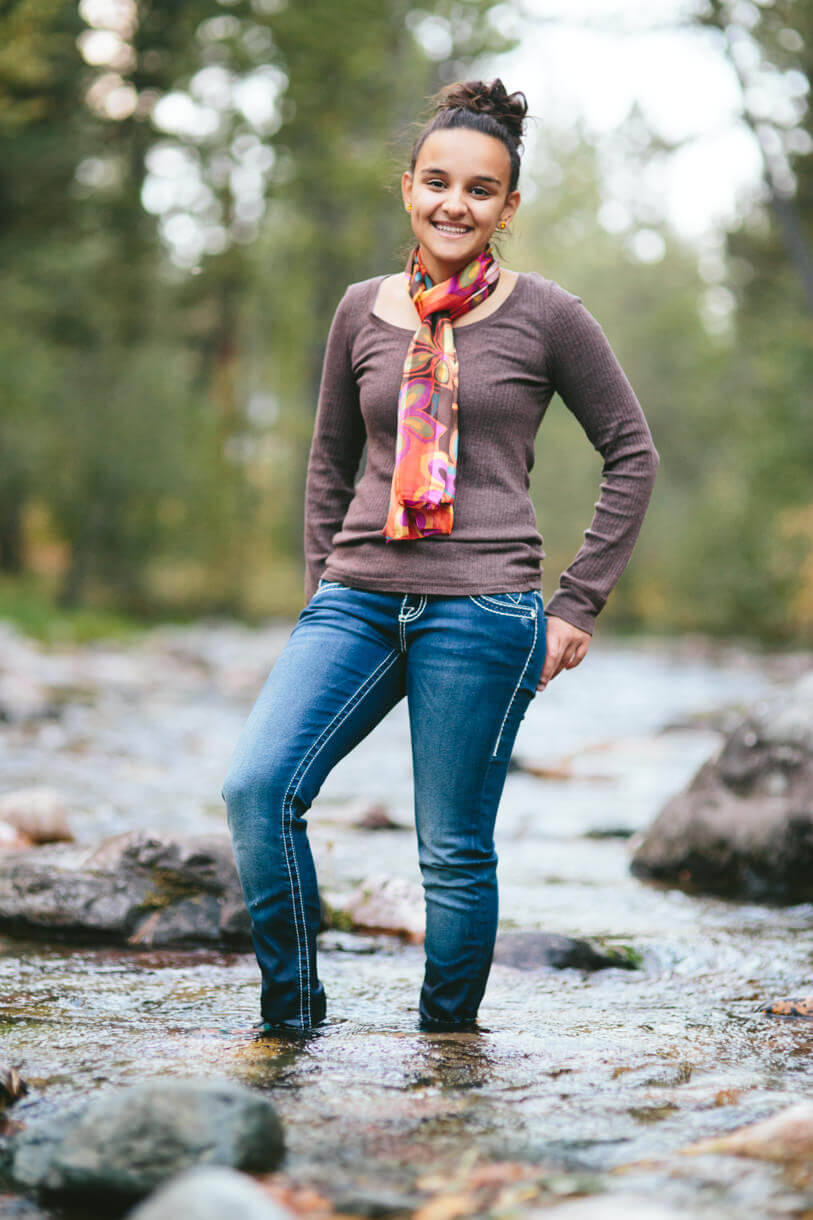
[{"x": 480, "y": 106}]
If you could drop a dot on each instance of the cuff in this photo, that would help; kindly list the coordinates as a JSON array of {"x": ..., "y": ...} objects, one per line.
[{"x": 564, "y": 607}]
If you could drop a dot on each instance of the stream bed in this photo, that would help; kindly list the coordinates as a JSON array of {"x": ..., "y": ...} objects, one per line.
[{"x": 577, "y": 1084}]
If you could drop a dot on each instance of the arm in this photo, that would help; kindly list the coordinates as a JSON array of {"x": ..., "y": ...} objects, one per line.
[
  {"x": 593, "y": 386},
  {"x": 338, "y": 440}
]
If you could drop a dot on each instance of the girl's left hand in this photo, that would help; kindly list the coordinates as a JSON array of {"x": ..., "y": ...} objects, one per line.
[{"x": 566, "y": 646}]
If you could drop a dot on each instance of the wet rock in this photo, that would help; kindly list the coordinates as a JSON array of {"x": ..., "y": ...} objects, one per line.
[
  {"x": 744, "y": 825},
  {"x": 12, "y": 1085},
  {"x": 39, "y": 813},
  {"x": 550, "y": 950},
  {"x": 119, "y": 1145},
  {"x": 138, "y": 888},
  {"x": 376, "y": 1203},
  {"x": 209, "y": 1194},
  {"x": 786, "y": 1137},
  {"x": 802, "y": 1007},
  {"x": 381, "y": 904}
]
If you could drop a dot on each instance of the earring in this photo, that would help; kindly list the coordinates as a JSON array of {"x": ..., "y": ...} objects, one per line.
[
  {"x": 409, "y": 207},
  {"x": 502, "y": 224}
]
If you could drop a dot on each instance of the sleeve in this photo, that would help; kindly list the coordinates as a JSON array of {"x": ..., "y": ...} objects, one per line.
[
  {"x": 592, "y": 384},
  {"x": 336, "y": 447}
]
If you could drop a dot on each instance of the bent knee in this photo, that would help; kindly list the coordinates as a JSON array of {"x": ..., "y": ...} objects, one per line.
[
  {"x": 258, "y": 788},
  {"x": 247, "y": 789}
]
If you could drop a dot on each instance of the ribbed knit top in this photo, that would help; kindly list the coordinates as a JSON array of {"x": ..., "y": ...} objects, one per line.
[{"x": 540, "y": 340}]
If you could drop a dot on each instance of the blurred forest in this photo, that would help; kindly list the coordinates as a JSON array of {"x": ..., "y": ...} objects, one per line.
[{"x": 186, "y": 188}]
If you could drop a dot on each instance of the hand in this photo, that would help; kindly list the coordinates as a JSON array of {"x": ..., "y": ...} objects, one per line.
[{"x": 566, "y": 646}]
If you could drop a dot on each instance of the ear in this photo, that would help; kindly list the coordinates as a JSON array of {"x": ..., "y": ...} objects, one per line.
[
  {"x": 406, "y": 187},
  {"x": 510, "y": 206}
]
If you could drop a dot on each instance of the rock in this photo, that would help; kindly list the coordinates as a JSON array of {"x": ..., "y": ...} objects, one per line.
[
  {"x": 209, "y": 1194},
  {"x": 802, "y": 1007},
  {"x": 138, "y": 888},
  {"x": 376, "y": 817},
  {"x": 381, "y": 904},
  {"x": 786, "y": 1137},
  {"x": 744, "y": 826},
  {"x": 15, "y": 1207},
  {"x": 545, "y": 950},
  {"x": 40, "y": 813},
  {"x": 12, "y": 1085},
  {"x": 119, "y": 1145},
  {"x": 12, "y": 839},
  {"x": 23, "y": 698},
  {"x": 376, "y": 1203}
]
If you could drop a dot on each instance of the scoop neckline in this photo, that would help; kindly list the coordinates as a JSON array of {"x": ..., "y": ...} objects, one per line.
[{"x": 407, "y": 330}]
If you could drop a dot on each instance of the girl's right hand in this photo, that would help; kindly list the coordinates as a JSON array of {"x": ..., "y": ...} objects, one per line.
[{"x": 566, "y": 647}]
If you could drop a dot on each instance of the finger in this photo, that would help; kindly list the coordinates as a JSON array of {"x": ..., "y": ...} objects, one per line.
[{"x": 553, "y": 659}]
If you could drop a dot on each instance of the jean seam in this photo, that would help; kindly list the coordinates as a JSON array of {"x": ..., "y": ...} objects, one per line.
[
  {"x": 299, "y": 774},
  {"x": 406, "y": 615},
  {"x": 480, "y": 599},
  {"x": 516, "y": 688}
]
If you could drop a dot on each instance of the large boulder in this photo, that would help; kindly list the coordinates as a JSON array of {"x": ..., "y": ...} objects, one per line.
[
  {"x": 138, "y": 888},
  {"x": 744, "y": 825},
  {"x": 119, "y": 1145}
]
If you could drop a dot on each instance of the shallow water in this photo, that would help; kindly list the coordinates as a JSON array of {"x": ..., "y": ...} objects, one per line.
[{"x": 592, "y": 1081}]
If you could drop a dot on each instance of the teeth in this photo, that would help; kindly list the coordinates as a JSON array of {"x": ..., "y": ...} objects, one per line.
[{"x": 449, "y": 229}]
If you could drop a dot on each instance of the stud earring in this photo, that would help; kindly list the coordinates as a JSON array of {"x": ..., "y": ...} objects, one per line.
[
  {"x": 502, "y": 224},
  {"x": 409, "y": 207}
]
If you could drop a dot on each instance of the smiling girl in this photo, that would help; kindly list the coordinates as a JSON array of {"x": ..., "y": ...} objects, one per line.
[{"x": 423, "y": 573}]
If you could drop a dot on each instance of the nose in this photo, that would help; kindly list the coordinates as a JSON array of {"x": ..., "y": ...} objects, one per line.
[{"x": 454, "y": 204}]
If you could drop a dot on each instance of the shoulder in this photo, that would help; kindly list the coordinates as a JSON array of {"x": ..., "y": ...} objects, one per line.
[
  {"x": 359, "y": 294},
  {"x": 547, "y": 295},
  {"x": 355, "y": 304}
]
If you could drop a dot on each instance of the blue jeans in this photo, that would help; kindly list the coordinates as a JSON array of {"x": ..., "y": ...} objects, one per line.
[{"x": 469, "y": 667}]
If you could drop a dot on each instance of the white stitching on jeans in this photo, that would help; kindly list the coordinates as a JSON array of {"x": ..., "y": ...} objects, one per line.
[
  {"x": 479, "y": 599},
  {"x": 406, "y": 615},
  {"x": 516, "y": 688},
  {"x": 297, "y": 778}
]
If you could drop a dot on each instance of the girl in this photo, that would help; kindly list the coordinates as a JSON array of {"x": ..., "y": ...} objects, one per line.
[{"x": 423, "y": 574}]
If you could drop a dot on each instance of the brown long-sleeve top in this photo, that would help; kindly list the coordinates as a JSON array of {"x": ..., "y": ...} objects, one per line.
[{"x": 539, "y": 341}]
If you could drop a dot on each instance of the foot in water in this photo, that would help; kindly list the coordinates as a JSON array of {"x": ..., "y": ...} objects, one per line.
[{"x": 790, "y": 1008}]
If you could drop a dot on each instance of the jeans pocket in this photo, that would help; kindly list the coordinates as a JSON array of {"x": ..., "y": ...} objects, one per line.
[{"x": 516, "y": 605}]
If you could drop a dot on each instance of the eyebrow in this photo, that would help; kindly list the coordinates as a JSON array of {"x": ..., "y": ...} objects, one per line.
[{"x": 478, "y": 177}]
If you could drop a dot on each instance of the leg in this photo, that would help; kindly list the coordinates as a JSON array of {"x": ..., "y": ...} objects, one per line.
[
  {"x": 472, "y": 669},
  {"x": 337, "y": 677}
]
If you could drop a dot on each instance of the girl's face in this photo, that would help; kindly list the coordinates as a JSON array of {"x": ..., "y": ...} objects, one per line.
[{"x": 459, "y": 193}]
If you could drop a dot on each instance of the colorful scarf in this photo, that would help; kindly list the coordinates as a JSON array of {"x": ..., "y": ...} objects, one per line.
[{"x": 423, "y": 480}]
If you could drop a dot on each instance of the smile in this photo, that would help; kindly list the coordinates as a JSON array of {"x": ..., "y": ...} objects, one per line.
[{"x": 450, "y": 230}]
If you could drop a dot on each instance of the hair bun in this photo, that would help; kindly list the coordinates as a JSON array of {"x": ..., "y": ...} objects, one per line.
[{"x": 482, "y": 97}]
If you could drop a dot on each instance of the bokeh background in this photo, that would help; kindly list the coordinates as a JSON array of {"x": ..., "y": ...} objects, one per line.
[{"x": 187, "y": 186}]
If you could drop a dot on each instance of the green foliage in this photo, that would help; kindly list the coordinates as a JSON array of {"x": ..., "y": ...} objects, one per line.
[{"x": 155, "y": 423}]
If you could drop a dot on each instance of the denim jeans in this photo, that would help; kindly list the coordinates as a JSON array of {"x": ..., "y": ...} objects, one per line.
[{"x": 469, "y": 667}]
